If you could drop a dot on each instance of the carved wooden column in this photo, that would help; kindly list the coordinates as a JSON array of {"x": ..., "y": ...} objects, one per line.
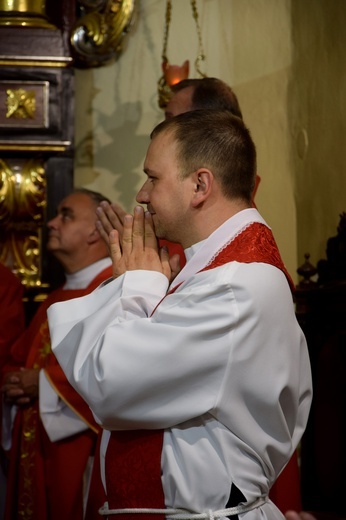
[
  {"x": 36, "y": 133},
  {"x": 41, "y": 43}
]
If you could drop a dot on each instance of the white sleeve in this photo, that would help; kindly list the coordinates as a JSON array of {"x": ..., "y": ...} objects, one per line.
[
  {"x": 127, "y": 297},
  {"x": 109, "y": 345},
  {"x": 58, "y": 419},
  {"x": 138, "y": 370}
]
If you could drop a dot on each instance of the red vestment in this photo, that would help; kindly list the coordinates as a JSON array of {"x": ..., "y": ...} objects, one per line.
[
  {"x": 45, "y": 479},
  {"x": 12, "y": 319},
  {"x": 12, "y": 324},
  {"x": 174, "y": 249},
  {"x": 133, "y": 458}
]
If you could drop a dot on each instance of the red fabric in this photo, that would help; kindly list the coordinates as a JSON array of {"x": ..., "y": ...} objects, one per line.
[
  {"x": 174, "y": 249},
  {"x": 285, "y": 493},
  {"x": 12, "y": 324},
  {"x": 255, "y": 243},
  {"x": 12, "y": 318},
  {"x": 133, "y": 458},
  {"x": 97, "y": 496},
  {"x": 45, "y": 480},
  {"x": 133, "y": 471}
]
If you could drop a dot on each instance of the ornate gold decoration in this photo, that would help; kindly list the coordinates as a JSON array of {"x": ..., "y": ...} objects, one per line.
[
  {"x": 30, "y": 13},
  {"x": 24, "y": 104},
  {"x": 22, "y": 210},
  {"x": 20, "y": 103},
  {"x": 172, "y": 74},
  {"x": 98, "y": 35}
]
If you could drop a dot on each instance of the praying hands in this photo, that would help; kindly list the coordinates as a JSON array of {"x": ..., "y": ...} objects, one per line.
[{"x": 132, "y": 242}]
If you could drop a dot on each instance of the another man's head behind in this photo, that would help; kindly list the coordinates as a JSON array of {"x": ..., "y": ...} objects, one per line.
[
  {"x": 201, "y": 168},
  {"x": 202, "y": 93},
  {"x": 72, "y": 234}
]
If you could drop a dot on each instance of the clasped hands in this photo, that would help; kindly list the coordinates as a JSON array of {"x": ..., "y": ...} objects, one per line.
[
  {"x": 21, "y": 387},
  {"x": 132, "y": 242}
]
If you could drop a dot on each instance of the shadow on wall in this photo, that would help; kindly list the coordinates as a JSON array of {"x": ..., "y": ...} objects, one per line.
[{"x": 115, "y": 141}]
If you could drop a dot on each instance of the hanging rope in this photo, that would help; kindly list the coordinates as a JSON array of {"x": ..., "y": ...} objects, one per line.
[{"x": 164, "y": 90}]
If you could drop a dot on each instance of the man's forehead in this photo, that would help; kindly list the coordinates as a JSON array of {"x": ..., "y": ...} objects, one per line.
[
  {"x": 161, "y": 146},
  {"x": 163, "y": 141},
  {"x": 73, "y": 201},
  {"x": 64, "y": 206},
  {"x": 67, "y": 202}
]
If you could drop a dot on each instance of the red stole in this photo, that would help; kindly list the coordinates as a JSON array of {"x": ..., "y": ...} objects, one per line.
[{"x": 133, "y": 458}]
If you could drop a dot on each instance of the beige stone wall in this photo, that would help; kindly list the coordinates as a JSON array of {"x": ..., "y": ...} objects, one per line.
[
  {"x": 317, "y": 111},
  {"x": 284, "y": 60}
]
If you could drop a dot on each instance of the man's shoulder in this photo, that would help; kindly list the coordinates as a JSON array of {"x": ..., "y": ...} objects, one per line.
[
  {"x": 103, "y": 275},
  {"x": 8, "y": 278}
]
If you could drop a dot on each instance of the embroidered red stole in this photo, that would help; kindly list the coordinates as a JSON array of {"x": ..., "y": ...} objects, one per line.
[
  {"x": 255, "y": 243},
  {"x": 133, "y": 458}
]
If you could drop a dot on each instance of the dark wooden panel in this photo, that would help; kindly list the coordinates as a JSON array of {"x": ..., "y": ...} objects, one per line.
[
  {"x": 59, "y": 104},
  {"x": 31, "y": 42}
]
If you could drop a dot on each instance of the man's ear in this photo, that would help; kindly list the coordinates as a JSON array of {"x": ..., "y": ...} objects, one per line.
[
  {"x": 94, "y": 236},
  {"x": 203, "y": 180}
]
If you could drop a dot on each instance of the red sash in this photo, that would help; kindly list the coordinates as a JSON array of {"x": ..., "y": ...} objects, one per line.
[{"x": 133, "y": 458}]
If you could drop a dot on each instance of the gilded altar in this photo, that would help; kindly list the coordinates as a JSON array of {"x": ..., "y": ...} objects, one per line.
[{"x": 41, "y": 44}]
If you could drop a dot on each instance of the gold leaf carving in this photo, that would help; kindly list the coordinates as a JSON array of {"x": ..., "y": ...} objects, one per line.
[
  {"x": 98, "y": 35},
  {"x": 22, "y": 208},
  {"x": 21, "y": 103}
]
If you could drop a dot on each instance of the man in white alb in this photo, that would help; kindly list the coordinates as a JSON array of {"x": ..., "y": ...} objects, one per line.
[{"x": 202, "y": 382}]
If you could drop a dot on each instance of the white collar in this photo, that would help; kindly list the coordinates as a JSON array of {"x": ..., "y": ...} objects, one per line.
[
  {"x": 81, "y": 279},
  {"x": 200, "y": 254}
]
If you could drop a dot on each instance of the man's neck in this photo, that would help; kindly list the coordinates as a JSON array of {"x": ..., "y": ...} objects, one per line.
[
  {"x": 82, "y": 278},
  {"x": 209, "y": 219}
]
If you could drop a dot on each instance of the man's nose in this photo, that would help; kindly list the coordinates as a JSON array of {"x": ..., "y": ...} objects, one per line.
[
  {"x": 143, "y": 195},
  {"x": 52, "y": 222}
]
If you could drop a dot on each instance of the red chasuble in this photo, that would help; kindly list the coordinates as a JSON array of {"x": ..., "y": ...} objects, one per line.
[
  {"x": 45, "y": 480},
  {"x": 133, "y": 458}
]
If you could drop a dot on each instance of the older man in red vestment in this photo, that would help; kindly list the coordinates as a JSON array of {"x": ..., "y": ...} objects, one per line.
[{"x": 54, "y": 433}]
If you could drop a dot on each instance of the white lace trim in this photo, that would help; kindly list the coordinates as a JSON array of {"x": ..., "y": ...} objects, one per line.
[{"x": 229, "y": 242}]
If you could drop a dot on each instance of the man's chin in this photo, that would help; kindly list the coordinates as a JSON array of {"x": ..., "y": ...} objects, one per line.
[
  {"x": 160, "y": 236},
  {"x": 160, "y": 232},
  {"x": 52, "y": 245}
]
